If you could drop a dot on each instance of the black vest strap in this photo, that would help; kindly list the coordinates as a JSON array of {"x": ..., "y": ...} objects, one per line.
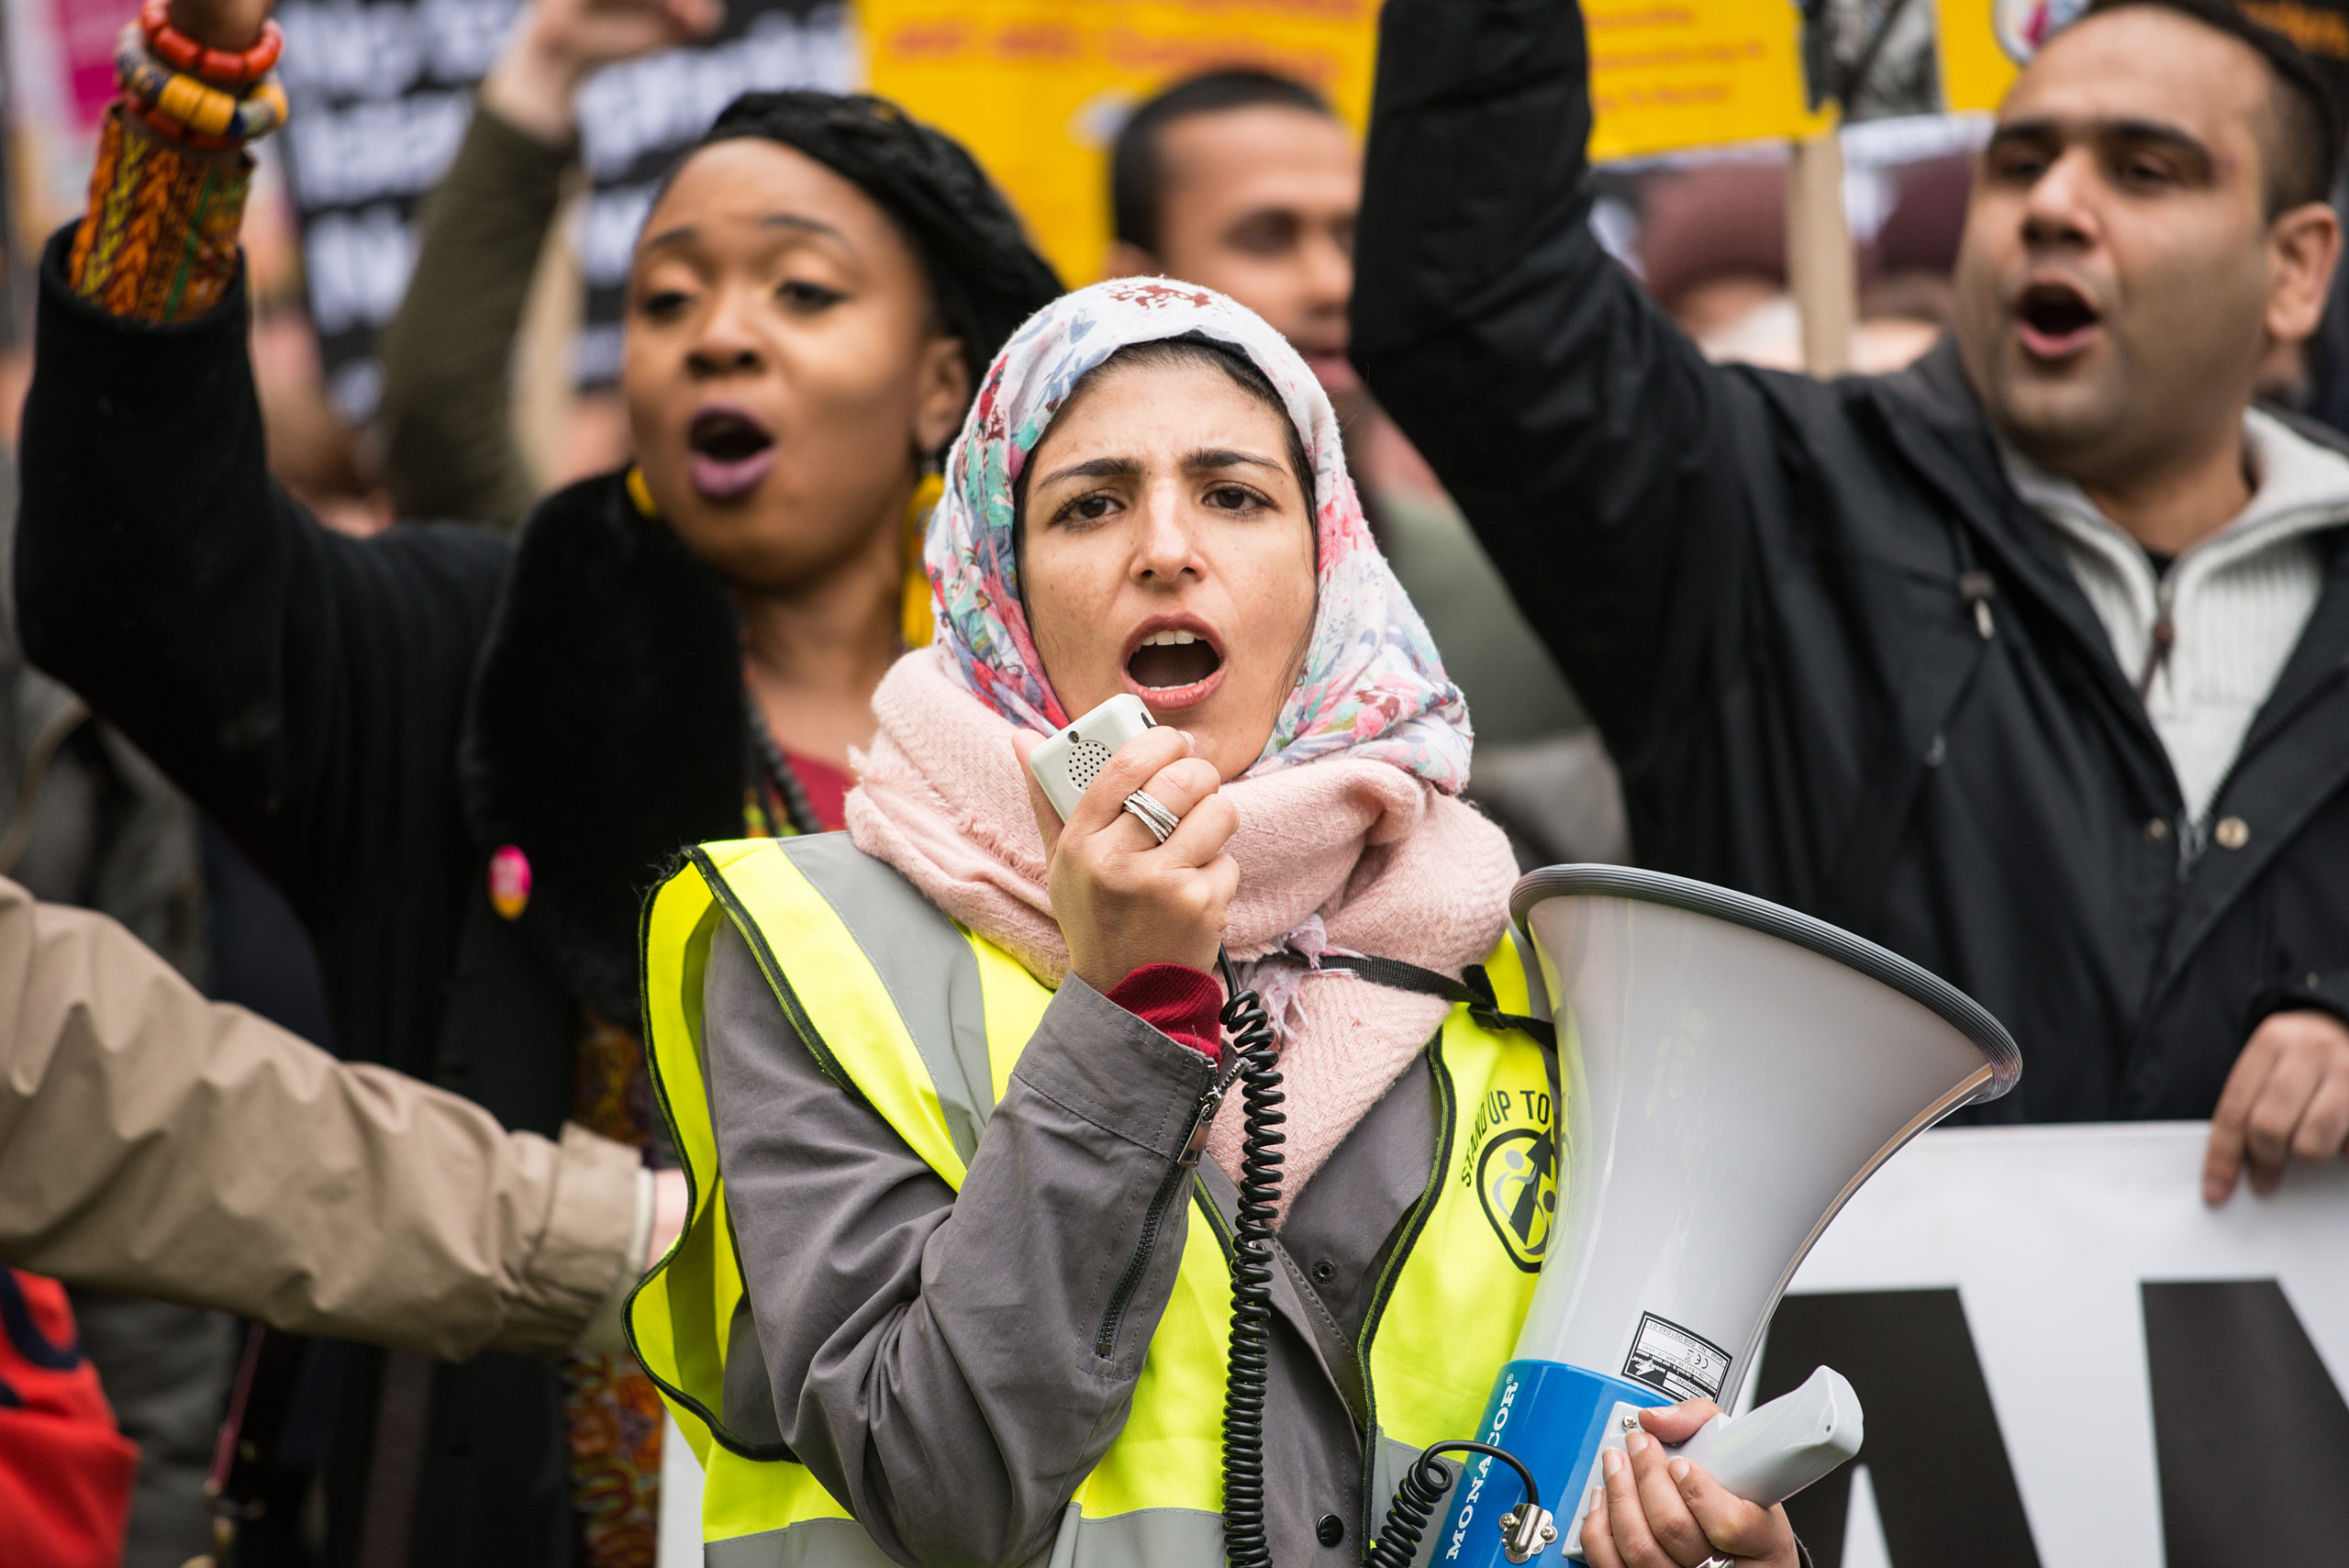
[{"x": 1474, "y": 987}]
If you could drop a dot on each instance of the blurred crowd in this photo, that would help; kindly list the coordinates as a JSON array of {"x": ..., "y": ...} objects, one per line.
[{"x": 319, "y": 818}]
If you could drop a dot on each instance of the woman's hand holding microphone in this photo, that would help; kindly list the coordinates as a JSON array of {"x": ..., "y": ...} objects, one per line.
[{"x": 1123, "y": 899}]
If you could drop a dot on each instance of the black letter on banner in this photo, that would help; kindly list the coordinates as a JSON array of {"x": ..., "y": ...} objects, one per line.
[
  {"x": 1944, "y": 1488},
  {"x": 2252, "y": 1433}
]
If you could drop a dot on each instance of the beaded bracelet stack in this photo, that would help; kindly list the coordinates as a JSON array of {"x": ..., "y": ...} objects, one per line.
[
  {"x": 212, "y": 98},
  {"x": 168, "y": 189}
]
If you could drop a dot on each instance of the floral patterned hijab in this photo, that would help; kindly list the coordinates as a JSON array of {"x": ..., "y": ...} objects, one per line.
[{"x": 1372, "y": 686}]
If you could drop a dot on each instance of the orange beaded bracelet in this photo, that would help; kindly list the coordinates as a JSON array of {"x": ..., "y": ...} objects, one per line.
[
  {"x": 174, "y": 98},
  {"x": 227, "y": 67}
]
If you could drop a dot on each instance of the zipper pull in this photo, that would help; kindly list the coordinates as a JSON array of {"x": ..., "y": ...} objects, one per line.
[
  {"x": 2193, "y": 838},
  {"x": 1975, "y": 588},
  {"x": 1209, "y": 1103}
]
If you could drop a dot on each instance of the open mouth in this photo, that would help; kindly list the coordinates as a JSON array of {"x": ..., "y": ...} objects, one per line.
[
  {"x": 2055, "y": 319},
  {"x": 1174, "y": 666},
  {"x": 1332, "y": 370},
  {"x": 729, "y": 452}
]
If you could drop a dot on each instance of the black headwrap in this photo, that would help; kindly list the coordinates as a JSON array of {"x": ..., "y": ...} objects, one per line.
[{"x": 984, "y": 275}]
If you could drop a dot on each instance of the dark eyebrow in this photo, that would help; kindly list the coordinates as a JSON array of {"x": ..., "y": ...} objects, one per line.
[
  {"x": 1095, "y": 468},
  {"x": 2154, "y": 132},
  {"x": 1208, "y": 458},
  {"x": 685, "y": 231},
  {"x": 793, "y": 220}
]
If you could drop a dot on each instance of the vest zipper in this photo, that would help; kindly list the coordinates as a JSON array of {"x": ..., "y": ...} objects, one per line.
[{"x": 1105, "y": 1343}]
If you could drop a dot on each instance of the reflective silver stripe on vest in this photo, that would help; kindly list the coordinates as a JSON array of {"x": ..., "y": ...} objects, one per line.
[
  {"x": 810, "y": 1543},
  {"x": 1147, "y": 1538},
  {"x": 911, "y": 946}
]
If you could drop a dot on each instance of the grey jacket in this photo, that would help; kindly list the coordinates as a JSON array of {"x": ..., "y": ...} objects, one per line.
[{"x": 931, "y": 1357}]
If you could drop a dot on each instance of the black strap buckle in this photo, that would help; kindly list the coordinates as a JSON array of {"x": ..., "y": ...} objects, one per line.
[{"x": 1474, "y": 987}]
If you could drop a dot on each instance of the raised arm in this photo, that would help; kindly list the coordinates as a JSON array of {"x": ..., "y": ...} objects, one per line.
[
  {"x": 304, "y": 688},
  {"x": 1586, "y": 439},
  {"x": 449, "y": 448},
  {"x": 449, "y": 444}
]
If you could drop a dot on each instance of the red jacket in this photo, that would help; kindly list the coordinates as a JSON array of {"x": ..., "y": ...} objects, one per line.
[{"x": 65, "y": 1472}]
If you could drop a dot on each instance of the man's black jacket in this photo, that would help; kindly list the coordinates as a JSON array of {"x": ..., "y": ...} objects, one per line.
[{"x": 1841, "y": 664}]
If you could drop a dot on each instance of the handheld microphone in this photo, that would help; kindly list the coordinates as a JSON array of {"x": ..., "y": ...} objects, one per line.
[{"x": 1068, "y": 761}]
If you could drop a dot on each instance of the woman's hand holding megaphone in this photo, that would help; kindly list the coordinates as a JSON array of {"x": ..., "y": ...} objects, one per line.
[
  {"x": 1124, "y": 900},
  {"x": 1654, "y": 1512}
]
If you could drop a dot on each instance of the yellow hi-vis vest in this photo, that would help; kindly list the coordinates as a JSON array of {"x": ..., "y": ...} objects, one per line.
[{"x": 925, "y": 1021}]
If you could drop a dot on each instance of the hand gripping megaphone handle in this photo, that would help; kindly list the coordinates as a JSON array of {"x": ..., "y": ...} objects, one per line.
[{"x": 1764, "y": 1456}]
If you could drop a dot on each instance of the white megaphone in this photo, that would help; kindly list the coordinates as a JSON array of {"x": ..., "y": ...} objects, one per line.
[{"x": 1732, "y": 1072}]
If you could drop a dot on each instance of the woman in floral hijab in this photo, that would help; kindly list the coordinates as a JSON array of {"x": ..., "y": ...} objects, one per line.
[{"x": 1148, "y": 497}]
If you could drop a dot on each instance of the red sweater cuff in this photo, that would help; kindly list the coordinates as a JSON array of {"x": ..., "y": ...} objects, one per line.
[{"x": 1179, "y": 1002}]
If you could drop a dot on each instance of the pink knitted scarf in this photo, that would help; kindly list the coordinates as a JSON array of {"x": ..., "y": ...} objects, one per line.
[{"x": 1341, "y": 854}]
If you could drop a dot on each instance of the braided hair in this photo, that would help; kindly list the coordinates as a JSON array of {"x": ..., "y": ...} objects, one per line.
[{"x": 985, "y": 277}]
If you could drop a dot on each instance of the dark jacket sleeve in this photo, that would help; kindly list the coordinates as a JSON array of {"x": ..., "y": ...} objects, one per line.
[
  {"x": 2322, "y": 991},
  {"x": 945, "y": 1381},
  {"x": 304, "y": 688},
  {"x": 1589, "y": 442},
  {"x": 448, "y": 413}
]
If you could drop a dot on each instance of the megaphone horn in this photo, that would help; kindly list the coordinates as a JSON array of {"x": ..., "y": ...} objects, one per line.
[{"x": 1732, "y": 1072}]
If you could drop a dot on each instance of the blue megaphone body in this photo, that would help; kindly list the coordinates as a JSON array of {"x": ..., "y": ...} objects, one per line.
[{"x": 1732, "y": 1072}]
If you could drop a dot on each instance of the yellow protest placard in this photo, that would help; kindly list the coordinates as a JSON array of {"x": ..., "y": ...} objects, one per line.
[
  {"x": 1036, "y": 89},
  {"x": 1668, "y": 75},
  {"x": 1976, "y": 67}
]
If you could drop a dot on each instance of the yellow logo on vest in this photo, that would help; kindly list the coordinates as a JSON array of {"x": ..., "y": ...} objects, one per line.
[{"x": 1512, "y": 1162}]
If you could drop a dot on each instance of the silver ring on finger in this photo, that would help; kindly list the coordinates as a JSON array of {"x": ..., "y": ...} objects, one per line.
[
  {"x": 1145, "y": 808},
  {"x": 1718, "y": 1561}
]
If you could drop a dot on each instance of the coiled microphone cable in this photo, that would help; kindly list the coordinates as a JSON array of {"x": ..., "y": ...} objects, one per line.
[{"x": 1255, "y": 1052}]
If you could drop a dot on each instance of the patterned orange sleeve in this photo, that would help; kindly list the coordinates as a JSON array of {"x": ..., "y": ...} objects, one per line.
[{"x": 159, "y": 242}]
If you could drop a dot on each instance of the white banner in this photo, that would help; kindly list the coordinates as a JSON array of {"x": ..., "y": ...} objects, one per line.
[{"x": 2166, "y": 1378}]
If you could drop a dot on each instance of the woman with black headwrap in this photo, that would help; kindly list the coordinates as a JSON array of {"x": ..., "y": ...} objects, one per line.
[{"x": 463, "y": 759}]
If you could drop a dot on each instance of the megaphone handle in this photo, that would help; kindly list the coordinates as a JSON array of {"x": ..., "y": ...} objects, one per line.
[
  {"x": 1764, "y": 1456},
  {"x": 1775, "y": 1451}
]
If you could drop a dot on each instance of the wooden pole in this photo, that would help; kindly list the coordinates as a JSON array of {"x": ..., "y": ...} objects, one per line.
[{"x": 1818, "y": 255}]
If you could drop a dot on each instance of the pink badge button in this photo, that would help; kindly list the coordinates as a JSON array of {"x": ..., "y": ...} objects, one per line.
[{"x": 510, "y": 881}]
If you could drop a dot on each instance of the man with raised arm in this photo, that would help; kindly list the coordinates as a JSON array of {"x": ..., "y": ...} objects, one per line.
[{"x": 2028, "y": 662}]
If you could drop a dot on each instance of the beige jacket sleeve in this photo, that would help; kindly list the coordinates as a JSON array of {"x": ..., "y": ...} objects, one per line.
[{"x": 156, "y": 1144}]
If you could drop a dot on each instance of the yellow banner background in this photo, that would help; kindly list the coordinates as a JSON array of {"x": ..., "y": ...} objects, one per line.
[{"x": 1035, "y": 88}]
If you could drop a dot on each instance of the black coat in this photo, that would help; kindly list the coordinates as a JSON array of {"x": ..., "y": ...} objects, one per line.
[
  {"x": 370, "y": 721},
  {"x": 1840, "y": 662}
]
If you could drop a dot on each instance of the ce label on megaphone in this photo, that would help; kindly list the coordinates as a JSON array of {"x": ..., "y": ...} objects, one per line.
[{"x": 1730, "y": 1071}]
